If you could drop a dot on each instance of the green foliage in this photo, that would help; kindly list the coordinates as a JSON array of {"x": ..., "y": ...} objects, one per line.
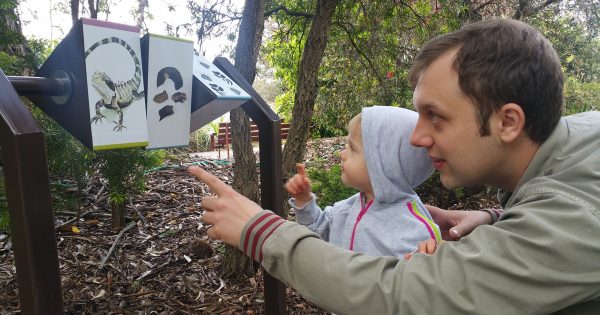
[
  {"x": 36, "y": 53},
  {"x": 69, "y": 163},
  {"x": 8, "y": 11},
  {"x": 370, "y": 48},
  {"x": 200, "y": 139},
  {"x": 368, "y": 57},
  {"x": 283, "y": 50},
  {"x": 578, "y": 50},
  {"x": 67, "y": 157},
  {"x": 581, "y": 96},
  {"x": 124, "y": 169},
  {"x": 10, "y": 65},
  {"x": 372, "y": 43},
  {"x": 327, "y": 184},
  {"x": 284, "y": 103},
  {"x": 39, "y": 50}
]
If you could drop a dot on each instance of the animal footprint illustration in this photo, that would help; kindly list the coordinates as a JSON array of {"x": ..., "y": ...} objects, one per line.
[
  {"x": 169, "y": 73},
  {"x": 161, "y": 97},
  {"x": 179, "y": 97},
  {"x": 217, "y": 89},
  {"x": 166, "y": 111}
]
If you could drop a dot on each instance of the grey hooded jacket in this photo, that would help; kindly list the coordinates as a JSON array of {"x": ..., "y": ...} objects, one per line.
[{"x": 395, "y": 221}]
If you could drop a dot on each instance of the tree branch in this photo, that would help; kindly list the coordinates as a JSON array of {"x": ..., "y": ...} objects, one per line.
[
  {"x": 288, "y": 12},
  {"x": 360, "y": 52},
  {"x": 112, "y": 248}
]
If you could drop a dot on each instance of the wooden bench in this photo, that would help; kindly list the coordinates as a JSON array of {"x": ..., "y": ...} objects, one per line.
[{"x": 222, "y": 139}]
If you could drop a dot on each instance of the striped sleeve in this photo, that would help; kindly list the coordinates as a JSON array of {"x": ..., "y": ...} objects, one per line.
[
  {"x": 257, "y": 231},
  {"x": 495, "y": 213}
]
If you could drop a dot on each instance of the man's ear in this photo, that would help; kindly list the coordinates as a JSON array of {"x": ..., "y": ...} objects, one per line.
[{"x": 512, "y": 122}]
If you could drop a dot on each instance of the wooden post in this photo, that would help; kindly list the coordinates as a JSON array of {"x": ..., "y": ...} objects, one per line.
[
  {"x": 271, "y": 174},
  {"x": 28, "y": 193}
]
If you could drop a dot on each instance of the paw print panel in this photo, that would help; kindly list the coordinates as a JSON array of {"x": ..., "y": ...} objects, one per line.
[
  {"x": 214, "y": 93},
  {"x": 168, "y": 81}
]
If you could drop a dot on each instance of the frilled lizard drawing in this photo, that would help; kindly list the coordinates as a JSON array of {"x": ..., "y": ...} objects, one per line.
[{"x": 115, "y": 95}]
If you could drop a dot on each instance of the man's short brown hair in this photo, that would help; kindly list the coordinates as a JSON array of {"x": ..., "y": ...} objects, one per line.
[{"x": 502, "y": 61}]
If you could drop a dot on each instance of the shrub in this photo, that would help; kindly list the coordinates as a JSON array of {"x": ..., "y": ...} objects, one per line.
[
  {"x": 327, "y": 184},
  {"x": 200, "y": 139}
]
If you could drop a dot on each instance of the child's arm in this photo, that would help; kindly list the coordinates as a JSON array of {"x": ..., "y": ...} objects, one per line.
[{"x": 299, "y": 186}]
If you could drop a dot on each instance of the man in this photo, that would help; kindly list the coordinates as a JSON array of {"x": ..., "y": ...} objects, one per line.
[{"x": 489, "y": 98}]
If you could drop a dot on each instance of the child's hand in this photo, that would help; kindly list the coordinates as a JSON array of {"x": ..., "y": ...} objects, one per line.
[
  {"x": 425, "y": 247},
  {"x": 299, "y": 186}
]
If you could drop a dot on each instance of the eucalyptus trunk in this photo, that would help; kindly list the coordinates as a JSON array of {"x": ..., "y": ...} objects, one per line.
[
  {"x": 74, "y": 11},
  {"x": 93, "y": 7},
  {"x": 140, "y": 18},
  {"x": 306, "y": 87},
  {"x": 245, "y": 176}
]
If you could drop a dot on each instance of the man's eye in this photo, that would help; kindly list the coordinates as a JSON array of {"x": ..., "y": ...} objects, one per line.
[{"x": 434, "y": 117}]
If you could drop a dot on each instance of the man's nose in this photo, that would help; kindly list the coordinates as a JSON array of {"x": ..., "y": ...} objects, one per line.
[{"x": 420, "y": 137}]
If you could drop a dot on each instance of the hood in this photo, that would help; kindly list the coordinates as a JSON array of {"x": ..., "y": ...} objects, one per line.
[{"x": 394, "y": 165}]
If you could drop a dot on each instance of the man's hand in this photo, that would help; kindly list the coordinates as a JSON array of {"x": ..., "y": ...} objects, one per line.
[
  {"x": 228, "y": 212},
  {"x": 299, "y": 186},
  {"x": 455, "y": 224}
]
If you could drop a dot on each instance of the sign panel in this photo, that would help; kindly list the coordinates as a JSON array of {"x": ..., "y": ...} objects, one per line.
[
  {"x": 169, "y": 87},
  {"x": 214, "y": 93},
  {"x": 115, "y": 87}
]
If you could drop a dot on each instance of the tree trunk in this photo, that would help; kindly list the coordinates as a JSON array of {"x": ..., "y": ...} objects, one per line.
[
  {"x": 140, "y": 19},
  {"x": 306, "y": 88},
  {"x": 93, "y": 6},
  {"x": 245, "y": 176},
  {"x": 74, "y": 11},
  {"x": 117, "y": 215}
]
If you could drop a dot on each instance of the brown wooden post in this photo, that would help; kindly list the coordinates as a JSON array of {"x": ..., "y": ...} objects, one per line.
[
  {"x": 28, "y": 195},
  {"x": 271, "y": 174}
]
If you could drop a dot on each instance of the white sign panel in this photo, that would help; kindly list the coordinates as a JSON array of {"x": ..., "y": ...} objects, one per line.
[
  {"x": 169, "y": 91},
  {"x": 115, "y": 85},
  {"x": 220, "y": 92}
]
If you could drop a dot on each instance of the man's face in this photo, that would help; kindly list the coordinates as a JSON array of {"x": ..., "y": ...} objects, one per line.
[{"x": 449, "y": 130}]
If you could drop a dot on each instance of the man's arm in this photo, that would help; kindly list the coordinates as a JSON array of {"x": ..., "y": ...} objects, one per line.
[
  {"x": 507, "y": 268},
  {"x": 511, "y": 267}
]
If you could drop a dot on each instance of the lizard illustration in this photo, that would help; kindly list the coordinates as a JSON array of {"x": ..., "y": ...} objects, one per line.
[{"x": 115, "y": 95}]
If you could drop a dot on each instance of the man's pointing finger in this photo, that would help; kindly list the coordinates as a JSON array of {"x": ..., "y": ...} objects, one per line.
[{"x": 210, "y": 180}]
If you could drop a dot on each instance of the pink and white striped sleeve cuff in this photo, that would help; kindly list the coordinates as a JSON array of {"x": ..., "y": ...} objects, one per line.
[
  {"x": 257, "y": 231},
  {"x": 495, "y": 213}
]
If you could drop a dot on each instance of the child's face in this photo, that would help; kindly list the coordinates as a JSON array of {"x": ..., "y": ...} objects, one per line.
[{"x": 354, "y": 165}]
